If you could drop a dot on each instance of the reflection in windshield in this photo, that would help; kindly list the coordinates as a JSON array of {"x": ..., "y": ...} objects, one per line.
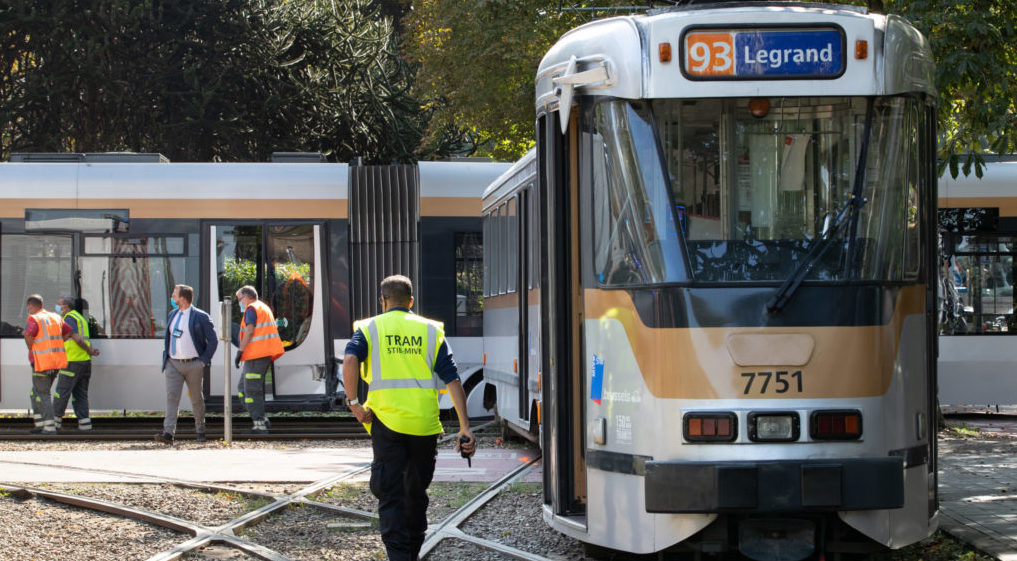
[{"x": 751, "y": 190}]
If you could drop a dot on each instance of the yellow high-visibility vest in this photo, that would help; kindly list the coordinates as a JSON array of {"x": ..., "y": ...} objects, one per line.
[
  {"x": 74, "y": 351},
  {"x": 399, "y": 370}
]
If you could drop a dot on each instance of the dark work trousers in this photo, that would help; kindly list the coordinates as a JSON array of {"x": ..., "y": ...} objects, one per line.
[
  {"x": 42, "y": 400},
  {"x": 400, "y": 473},
  {"x": 72, "y": 384},
  {"x": 252, "y": 389}
]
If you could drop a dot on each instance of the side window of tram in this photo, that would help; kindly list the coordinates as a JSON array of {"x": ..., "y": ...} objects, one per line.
[
  {"x": 32, "y": 264},
  {"x": 278, "y": 261},
  {"x": 127, "y": 281},
  {"x": 469, "y": 250}
]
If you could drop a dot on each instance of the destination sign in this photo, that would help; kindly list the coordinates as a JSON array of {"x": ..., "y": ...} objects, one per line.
[{"x": 752, "y": 54}]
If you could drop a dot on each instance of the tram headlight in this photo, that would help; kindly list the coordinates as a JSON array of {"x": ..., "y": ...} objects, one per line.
[{"x": 773, "y": 426}]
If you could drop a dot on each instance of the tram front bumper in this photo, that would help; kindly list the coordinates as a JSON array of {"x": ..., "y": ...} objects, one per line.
[{"x": 775, "y": 486}]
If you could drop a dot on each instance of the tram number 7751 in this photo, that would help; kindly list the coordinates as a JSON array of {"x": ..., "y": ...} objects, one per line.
[{"x": 782, "y": 381}]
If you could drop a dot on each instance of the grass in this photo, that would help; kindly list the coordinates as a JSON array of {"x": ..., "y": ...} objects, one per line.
[
  {"x": 962, "y": 430},
  {"x": 455, "y": 493}
]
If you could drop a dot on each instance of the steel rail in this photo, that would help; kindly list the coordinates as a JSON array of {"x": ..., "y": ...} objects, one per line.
[{"x": 442, "y": 530}]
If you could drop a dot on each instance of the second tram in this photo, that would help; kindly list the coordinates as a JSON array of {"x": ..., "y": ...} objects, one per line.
[
  {"x": 715, "y": 281},
  {"x": 118, "y": 231}
]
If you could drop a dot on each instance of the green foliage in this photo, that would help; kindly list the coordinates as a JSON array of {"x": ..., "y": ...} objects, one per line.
[
  {"x": 202, "y": 81},
  {"x": 478, "y": 61},
  {"x": 975, "y": 46}
]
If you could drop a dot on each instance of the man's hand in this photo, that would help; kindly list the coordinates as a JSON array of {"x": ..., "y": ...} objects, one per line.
[
  {"x": 93, "y": 351},
  {"x": 469, "y": 447},
  {"x": 362, "y": 415}
]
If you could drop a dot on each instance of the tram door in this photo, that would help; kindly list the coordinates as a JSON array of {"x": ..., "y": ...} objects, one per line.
[
  {"x": 562, "y": 328},
  {"x": 281, "y": 260}
]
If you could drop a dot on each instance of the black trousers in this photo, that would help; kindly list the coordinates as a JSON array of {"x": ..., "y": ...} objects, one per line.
[{"x": 400, "y": 473}]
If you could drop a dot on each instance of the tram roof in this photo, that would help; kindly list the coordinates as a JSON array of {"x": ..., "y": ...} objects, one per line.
[
  {"x": 625, "y": 48},
  {"x": 511, "y": 179},
  {"x": 187, "y": 180}
]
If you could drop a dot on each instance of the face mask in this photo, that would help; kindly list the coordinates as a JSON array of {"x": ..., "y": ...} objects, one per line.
[
  {"x": 57, "y": 308},
  {"x": 173, "y": 304}
]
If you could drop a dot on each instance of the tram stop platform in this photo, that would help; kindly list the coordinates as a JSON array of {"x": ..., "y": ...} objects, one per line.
[
  {"x": 218, "y": 464},
  {"x": 978, "y": 482}
]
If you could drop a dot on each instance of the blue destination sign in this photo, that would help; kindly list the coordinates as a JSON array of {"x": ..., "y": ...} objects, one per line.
[{"x": 763, "y": 53}]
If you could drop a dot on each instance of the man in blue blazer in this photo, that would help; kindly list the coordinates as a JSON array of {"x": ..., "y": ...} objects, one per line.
[{"x": 189, "y": 345}]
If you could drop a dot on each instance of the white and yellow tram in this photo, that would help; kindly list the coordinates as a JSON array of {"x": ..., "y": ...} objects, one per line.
[
  {"x": 118, "y": 231},
  {"x": 713, "y": 282}
]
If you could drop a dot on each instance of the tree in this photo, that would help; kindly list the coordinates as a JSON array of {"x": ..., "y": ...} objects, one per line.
[
  {"x": 479, "y": 58},
  {"x": 478, "y": 61},
  {"x": 200, "y": 81},
  {"x": 974, "y": 43}
]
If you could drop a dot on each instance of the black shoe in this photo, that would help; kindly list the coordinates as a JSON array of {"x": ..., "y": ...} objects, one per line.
[
  {"x": 200, "y": 437},
  {"x": 41, "y": 430},
  {"x": 164, "y": 437},
  {"x": 259, "y": 431}
]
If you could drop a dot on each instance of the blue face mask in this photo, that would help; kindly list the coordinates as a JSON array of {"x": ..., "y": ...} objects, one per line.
[
  {"x": 173, "y": 304},
  {"x": 57, "y": 308}
]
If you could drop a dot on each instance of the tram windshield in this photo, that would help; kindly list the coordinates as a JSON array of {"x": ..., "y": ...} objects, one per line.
[{"x": 739, "y": 190}]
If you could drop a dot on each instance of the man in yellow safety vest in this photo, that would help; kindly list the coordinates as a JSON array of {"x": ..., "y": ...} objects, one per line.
[
  {"x": 72, "y": 383},
  {"x": 405, "y": 359}
]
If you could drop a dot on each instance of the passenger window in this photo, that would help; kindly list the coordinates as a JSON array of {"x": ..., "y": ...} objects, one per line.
[
  {"x": 278, "y": 261},
  {"x": 469, "y": 302},
  {"x": 127, "y": 281},
  {"x": 32, "y": 264}
]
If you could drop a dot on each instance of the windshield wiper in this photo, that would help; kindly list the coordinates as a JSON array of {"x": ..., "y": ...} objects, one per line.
[{"x": 849, "y": 211}]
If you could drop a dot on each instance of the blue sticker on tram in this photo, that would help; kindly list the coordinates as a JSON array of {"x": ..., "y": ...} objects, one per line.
[{"x": 597, "y": 383}]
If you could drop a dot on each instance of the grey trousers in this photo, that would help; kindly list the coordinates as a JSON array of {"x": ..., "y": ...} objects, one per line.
[
  {"x": 252, "y": 387},
  {"x": 42, "y": 402},
  {"x": 177, "y": 373},
  {"x": 72, "y": 384}
]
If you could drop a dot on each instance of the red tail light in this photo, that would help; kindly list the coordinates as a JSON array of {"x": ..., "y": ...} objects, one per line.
[
  {"x": 710, "y": 427},
  {"x": 836, "y": 425}
]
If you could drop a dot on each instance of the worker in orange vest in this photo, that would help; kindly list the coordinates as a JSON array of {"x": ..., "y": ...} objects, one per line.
[
  {"x": 258, "y": 348},
  {"x": 45, "y": 333}
]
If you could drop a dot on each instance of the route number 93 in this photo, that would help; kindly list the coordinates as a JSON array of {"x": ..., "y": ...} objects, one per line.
[
  {"x": 709, "y": 54},
  {"x": 780, "y": 381}
]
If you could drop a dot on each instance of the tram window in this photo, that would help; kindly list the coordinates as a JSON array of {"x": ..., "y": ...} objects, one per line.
[
  {"x": 747, "y": 193},
  {"x": 512, "y": 253},
  {"x": 488, "y": 257},
  {"x": 278, "y": 261},
  {"x": 32, "y": 264},
  {"x": 634, "y": 241},
  {"x": 980, "y": 281},
  {"x": 469, "y": 251},
  {"x": 126, "y": 282}
]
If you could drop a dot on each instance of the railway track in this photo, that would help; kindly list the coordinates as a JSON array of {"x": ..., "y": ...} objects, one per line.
[
  {"x": 144, "y": 428},
  {"x": 230, "y": 535}
]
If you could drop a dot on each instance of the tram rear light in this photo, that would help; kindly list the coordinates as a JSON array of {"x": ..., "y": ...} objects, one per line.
[
  {"x": 710, "y": 427},
  {"x": 775, "y": 426},
  {"x": 836, "y": 425},
  {"x": 861, "y": 50},
  {"x": 664, "y": 50}
]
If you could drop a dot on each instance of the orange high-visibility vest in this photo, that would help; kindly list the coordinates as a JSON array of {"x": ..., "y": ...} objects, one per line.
[
  {"x": 265, "y": 341},
  {"x": 48, "y": 346}
]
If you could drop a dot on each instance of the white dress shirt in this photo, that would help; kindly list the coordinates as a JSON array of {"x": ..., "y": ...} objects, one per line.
[{"x": 185, "y": 345}]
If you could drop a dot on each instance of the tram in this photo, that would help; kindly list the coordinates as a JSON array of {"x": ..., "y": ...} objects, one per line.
[
  {"x": 978, "y": 219},
  {"x": 711, "y": 287},
  {"x": 118, "y": 231}
]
